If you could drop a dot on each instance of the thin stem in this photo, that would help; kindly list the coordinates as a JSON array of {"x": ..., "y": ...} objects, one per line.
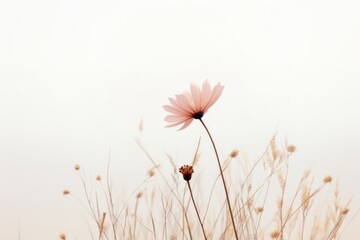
[
  {"x": 281, "y": 206},
  {"x": 197, "y": 212},
  {"x": 135, "y": 218},
  {"x": 110, "y": 199},
  {"x": 222, "y": 178},
  {"x": 299, "y": 207},
  {"x": 101, "y": 228}
]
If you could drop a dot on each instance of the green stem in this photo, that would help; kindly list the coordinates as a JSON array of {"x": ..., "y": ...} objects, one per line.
[{"x": 222, "y": 178}]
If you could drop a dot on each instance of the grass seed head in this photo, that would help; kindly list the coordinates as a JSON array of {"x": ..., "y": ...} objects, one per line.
[
  {"x": 259, "y": 210},
  {"x": 77, "y": 167},
  {"x": 327, "y": 179},
  {"x": 139, "y": 195},
  {"x": 291, "y": 148},
  {"x": 345, "y": 211},
  {"x": 275, "y": 234},
  {"x": 234, "y": 153},
  {"x": 62, "y": 236}
]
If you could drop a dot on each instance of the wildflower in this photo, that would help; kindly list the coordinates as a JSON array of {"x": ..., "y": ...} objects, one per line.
[
  {"x": 66, "y": 192},
  {"x": 186, "y": 171},
  {"x": 327, "y": 179},
  {"x": 98, "y": 178},
  {"x": 192, "y": 105},
  {"x": 77, "y": 167}
]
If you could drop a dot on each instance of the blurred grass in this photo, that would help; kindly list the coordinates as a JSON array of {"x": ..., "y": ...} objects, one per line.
[{"x": 265, "y": 203}]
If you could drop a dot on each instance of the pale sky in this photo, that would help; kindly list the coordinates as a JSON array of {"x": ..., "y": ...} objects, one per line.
[{"x": 76, "y": 77}]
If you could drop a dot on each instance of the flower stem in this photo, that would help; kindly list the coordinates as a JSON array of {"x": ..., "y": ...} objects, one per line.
[
  {"x": 197, "y": 212},
  {"x": 222, "y": 178}
]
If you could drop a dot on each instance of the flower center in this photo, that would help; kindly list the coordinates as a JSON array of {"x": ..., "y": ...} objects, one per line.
[{"x": 198, "y": 115}]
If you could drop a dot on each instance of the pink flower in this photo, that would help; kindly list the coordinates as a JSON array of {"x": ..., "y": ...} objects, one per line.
[{"x": 192, "y": 105}]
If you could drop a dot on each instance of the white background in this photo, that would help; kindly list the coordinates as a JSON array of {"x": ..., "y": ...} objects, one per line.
[{"x": 77, "y": 76}]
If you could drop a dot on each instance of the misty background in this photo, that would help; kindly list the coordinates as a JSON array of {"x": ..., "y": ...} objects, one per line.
[{"x": 78, "y": 77}]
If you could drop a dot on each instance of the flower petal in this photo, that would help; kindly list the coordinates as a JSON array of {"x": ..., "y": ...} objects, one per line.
[
  {"x": 176, "y": 118},
  {"x": 173, "y": 110},
  {"x": 205, "y": 94},
  {"x": 196, "y": 96},
  {"x": 216, "y": 93},
  {"x": 186, "y": 124},
  {"x": 191, "y": 104},
  {"x": 179, "y": 106},
  {"x": 174, "y": 124},
  {"x": 184, "y": 100}
]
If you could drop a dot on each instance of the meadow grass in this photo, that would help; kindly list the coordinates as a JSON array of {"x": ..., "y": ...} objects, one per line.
[{"x": 265, "y": 202}]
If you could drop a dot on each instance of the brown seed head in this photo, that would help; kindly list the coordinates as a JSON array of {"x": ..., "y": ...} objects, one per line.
[
  {"x": 77, "y": 167},
  {"x": 345, "y": 211},
  {"x": 151, "y": 172},
  {"x": 186, "y": 171},
  {"x": 234, "y": 153},
  {"x": 66, "y": 192},
  {"x": 62, "y": 236},
  {"x": 275, "y": 234},
  {"x": 291, "y": 148},
  {"x": 139, "y": 195},
  {"x": 327, "y": 179},
  {"x": 98, "y": 178},
  {"x": 259, "y": 210}
]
